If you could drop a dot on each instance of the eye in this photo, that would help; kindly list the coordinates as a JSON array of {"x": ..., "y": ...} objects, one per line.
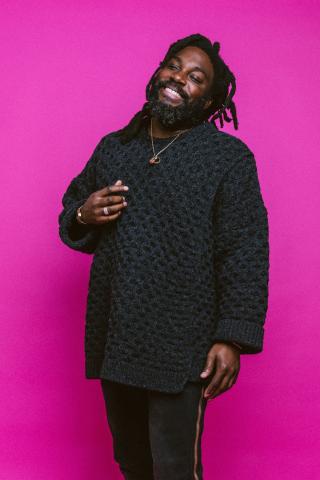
[{"x": 172, "y": 66}]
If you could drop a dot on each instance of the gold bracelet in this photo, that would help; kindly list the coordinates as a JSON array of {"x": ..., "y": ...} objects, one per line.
[{"x": 79, "y": 216}]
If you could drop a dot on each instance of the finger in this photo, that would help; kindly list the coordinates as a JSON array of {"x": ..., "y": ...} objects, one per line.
[
  {"x": 222, "y": 387},
  {"x": 209, "y": 366},
  {"x": 112, "y": 209},
  {"x": 108, "y": 218},
  {"x": 235, "y": 376},
  {"x": 110, "y": 200},
  {"x": 232, "y": 381},
  {"x": 215, "y": 384},
  {"x": 112, "y": 189},
  {"x": 103, "y": 190}
]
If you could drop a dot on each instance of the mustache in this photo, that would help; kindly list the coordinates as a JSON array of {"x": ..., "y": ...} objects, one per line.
[{"x": 163, "y": 84}]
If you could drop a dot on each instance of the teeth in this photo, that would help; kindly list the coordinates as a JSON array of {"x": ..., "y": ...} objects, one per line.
[{"x": 174, "y": 92}]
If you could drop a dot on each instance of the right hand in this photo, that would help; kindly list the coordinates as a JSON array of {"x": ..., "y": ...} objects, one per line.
[{"x": 92, "y": 209}]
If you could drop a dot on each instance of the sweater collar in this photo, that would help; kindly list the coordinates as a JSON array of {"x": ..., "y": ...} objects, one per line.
[{"x": 196, "y": 130}]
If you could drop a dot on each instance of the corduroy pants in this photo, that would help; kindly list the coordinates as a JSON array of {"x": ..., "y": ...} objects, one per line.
[{"x": 156, "y": 436}]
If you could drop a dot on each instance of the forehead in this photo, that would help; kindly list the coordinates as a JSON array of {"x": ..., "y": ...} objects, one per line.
[{"x": 196, "y": 57}]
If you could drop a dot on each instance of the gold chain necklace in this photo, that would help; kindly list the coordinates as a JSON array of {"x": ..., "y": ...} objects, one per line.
[{"x": 156, "y": 159}]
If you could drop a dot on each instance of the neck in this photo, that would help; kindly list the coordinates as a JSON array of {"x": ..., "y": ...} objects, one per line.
[{"x": 158, "y": 130}]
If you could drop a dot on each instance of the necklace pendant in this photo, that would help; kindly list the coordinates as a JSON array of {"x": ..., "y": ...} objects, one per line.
[{"x": 154, "y": 160}]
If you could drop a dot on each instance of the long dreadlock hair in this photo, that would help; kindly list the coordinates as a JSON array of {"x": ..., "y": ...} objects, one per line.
[{"x": 220, "y": 94}]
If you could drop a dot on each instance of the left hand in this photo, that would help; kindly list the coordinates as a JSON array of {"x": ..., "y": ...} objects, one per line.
[{"x": 224, "y": 360}]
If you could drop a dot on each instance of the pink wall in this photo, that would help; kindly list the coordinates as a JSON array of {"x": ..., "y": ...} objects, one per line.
[{"x": 73, "y": 71}]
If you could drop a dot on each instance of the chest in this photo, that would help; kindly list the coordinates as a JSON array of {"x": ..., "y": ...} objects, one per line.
[{"x": 183, "y": 180}]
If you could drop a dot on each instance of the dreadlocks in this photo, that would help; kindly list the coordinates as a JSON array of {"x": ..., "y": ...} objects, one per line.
[{"x": 222, "y": 98}]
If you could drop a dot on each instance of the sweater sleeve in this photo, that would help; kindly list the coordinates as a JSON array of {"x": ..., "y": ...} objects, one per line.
[
  {"x": 83, "y": 238},
  {"x": 241, "y": 257}
]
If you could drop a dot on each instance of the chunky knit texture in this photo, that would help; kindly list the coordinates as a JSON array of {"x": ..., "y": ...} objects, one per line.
[{"x": 185, "y": 265}]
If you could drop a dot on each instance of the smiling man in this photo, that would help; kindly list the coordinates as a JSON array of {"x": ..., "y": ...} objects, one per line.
[
  {"x": 172, "y": 210},
  {"x": 189, "y": 98}
]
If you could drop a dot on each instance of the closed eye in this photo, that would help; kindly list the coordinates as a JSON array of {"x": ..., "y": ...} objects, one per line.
[{"x": 195, "y": 79}]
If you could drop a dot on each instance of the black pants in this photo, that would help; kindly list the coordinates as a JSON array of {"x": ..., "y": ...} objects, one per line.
[{"x": 156, "y": 436}]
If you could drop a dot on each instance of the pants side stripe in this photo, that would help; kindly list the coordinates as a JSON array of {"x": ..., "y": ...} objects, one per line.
[{"x": 196, "y": 477}]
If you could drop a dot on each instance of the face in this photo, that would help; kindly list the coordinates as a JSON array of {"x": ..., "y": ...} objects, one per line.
[{"x": 181, "y": 90}]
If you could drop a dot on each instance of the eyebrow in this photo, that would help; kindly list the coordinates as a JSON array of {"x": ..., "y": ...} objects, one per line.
[{"x": 195, "y": 68}]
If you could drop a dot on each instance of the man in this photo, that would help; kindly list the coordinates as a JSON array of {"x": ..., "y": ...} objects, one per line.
[{"x": 171, "y": 207}]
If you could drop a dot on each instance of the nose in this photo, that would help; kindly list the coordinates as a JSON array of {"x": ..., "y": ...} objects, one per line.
[{"x": 178, "y": 77}]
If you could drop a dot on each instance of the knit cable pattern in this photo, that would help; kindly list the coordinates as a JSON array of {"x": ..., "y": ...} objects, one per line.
[{"x": 184, "y": 266}]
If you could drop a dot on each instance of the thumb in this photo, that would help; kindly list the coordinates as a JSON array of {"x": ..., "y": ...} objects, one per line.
[
  {"x": 118, "y": 182},
  {"x": 208, "y": 367}
]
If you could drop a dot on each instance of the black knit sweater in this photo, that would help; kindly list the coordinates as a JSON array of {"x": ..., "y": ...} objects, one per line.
[{"x": 185, "y": 265}]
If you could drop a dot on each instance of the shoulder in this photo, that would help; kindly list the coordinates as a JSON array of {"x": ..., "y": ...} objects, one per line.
[
  {"x": 104, "y": 143},
  {"x": 109, "y": 137},
  {"x": 225, "y": 144}
]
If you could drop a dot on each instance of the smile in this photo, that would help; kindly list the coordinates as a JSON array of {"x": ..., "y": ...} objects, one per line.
[{"x": 172, "y": 94}]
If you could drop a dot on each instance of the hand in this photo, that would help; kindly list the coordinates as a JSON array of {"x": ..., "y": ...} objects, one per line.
[
  {"x": 92, "y": 209},
  {"x": 224, "y": 361}
]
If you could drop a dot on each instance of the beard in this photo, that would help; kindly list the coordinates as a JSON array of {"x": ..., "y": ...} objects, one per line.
[{"x": 186, "y": 114}]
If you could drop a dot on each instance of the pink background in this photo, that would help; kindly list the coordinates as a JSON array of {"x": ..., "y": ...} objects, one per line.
[{"x": 73, "y": 71}]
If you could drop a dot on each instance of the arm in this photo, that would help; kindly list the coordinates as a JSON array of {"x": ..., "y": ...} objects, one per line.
[
  {"x": 241, "y": 257},
  {"x": 77, "y": 236}
]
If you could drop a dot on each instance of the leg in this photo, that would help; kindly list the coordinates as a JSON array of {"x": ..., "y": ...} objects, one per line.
[
  {"x": 176, "y": 424},
  {"x": 127, "y": 415}
]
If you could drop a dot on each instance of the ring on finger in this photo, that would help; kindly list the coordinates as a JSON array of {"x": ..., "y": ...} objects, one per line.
[{"x": 106, "y": 211}]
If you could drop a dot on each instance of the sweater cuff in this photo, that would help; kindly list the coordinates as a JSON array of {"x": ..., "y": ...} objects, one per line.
[{"x": 247, "y": 334}]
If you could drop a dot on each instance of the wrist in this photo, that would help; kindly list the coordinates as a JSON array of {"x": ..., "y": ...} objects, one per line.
[
  {"x": 79, "y": 216},
  {"x": 239, "y": 347}
]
